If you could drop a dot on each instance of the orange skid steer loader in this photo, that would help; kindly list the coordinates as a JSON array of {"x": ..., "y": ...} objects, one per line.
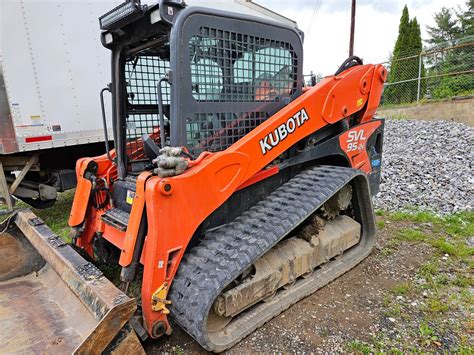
[{"x": 234, "y": 190}]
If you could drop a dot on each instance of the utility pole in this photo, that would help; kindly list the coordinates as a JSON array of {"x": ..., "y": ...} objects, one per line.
[{"x": 353, "y": 17}]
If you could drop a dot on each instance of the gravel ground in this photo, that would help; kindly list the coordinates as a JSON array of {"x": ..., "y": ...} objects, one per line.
[{"x": 427, "y": 166}]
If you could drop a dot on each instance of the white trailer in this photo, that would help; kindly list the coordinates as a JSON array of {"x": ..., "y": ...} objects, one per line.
[{"x": 52, "y": 68}]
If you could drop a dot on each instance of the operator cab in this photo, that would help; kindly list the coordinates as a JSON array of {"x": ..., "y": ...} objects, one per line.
[{"x": 213, "y": 75}]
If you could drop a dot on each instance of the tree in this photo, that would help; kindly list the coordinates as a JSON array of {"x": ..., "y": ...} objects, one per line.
[
  {"x": 446, "y": 28},
  {"x": 466, "y": 19},
  {"x": 451, "y": 26},
  {"x": 416, "y": 46},
  {"x": 404, "y": 65},
  {"x": 402, "y": 43}
]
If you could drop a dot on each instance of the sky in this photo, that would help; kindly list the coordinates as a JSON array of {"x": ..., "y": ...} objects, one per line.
[{"x": 326, "y": 25}]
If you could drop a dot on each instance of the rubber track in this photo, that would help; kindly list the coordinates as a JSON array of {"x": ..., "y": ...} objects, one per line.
[{"x": 226, "y": 252}]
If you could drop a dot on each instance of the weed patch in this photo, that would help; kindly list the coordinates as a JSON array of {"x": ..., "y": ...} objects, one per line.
[{"x": 402, "y": 289}]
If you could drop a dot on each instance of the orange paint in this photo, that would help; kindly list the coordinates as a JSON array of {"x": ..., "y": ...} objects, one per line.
[{"x": 354, "y": 141}]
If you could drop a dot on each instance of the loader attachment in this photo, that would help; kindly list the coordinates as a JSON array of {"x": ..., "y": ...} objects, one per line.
[{"x": 54, "y": 301}]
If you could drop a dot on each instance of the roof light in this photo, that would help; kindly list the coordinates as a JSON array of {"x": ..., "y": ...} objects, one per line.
[
  {"x": 108, "y": 38},
  {"x": 122, "y": 15}
]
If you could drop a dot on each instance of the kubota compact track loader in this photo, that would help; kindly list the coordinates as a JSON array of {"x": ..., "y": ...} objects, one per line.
[{"x": 233, "y": 190}]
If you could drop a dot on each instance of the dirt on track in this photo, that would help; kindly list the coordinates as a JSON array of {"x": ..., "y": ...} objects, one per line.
[{"x": 351, "y": 307}]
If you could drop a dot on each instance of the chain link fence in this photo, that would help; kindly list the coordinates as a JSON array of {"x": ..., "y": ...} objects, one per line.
[{"x": 437, "y": 73}]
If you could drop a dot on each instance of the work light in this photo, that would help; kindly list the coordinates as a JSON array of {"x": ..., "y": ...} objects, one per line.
[{"x": 122, "y": 15}]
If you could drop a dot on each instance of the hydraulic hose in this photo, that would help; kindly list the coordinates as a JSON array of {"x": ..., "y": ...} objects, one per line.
[{"x": 350, "y": 62}]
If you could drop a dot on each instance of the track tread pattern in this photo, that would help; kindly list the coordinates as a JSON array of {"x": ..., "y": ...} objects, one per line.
[{"x": 226, "y": 252}]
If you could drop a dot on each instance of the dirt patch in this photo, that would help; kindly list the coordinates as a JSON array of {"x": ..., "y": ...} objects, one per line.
[
  {"x": 10, "y": 253},
  {"x": 351, "y": 307}
]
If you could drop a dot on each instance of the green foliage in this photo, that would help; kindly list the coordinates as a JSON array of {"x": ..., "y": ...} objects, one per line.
[
  {"x": 436, "y": 305},
  {"x": 446, "y": 27},
  {"x": 450, "y": 27},
  {"x": 409, "y": 45},
  {"x": 434, "y": 302},
  {"x": 454, "y": 249},
  {"x": 429, "y": 270},
  {"x": 466, "y": 19},
  {"x": 447, "y": 234},
  {"x": 402, "y": 288},
  {"x": 450, "y": 86},
  {"x": 446, "y": 65},
  {"x": 463, "y": 281},
  {"x": 460, "y": 224},
  {"x": 427, "y": 334},
  {"x": 359, "y": 347},
  {"x": 57, "y": 216},
  {"x": 412, "y": 235}
]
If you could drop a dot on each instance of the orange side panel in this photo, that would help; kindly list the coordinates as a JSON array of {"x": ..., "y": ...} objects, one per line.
[
  {"x": 81, "y": 197},
  {"x": 173, "y": 219},
  {"x": 113, "y": 235},
  {"x": 353, "y": 143}
]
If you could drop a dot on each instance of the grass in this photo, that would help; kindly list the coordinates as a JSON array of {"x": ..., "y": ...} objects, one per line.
[
  {"x": 429, "y": 269},
  {"x": 375, "y": 346},
  {"x": 359, "y": 347},
  {"x": 402, "y": 288},
  {"x": 393, "y": 311},
  {"x": 412, "y": 235},
  {"x": 463, "y": 281},
  {"x": 437, "y": 305},
  {"x": 55, "y": 217},
  {"x": 447, "y": 235},
  {"x": 431, "y": 309}
]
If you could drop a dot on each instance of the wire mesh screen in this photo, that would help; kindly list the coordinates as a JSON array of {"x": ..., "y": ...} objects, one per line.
[
  {"x": 137, "y": 126},
  {"x": 216, "y": 131},
  {"x": 232, "y": 67},
  {"x": 142, "y": 73}
]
